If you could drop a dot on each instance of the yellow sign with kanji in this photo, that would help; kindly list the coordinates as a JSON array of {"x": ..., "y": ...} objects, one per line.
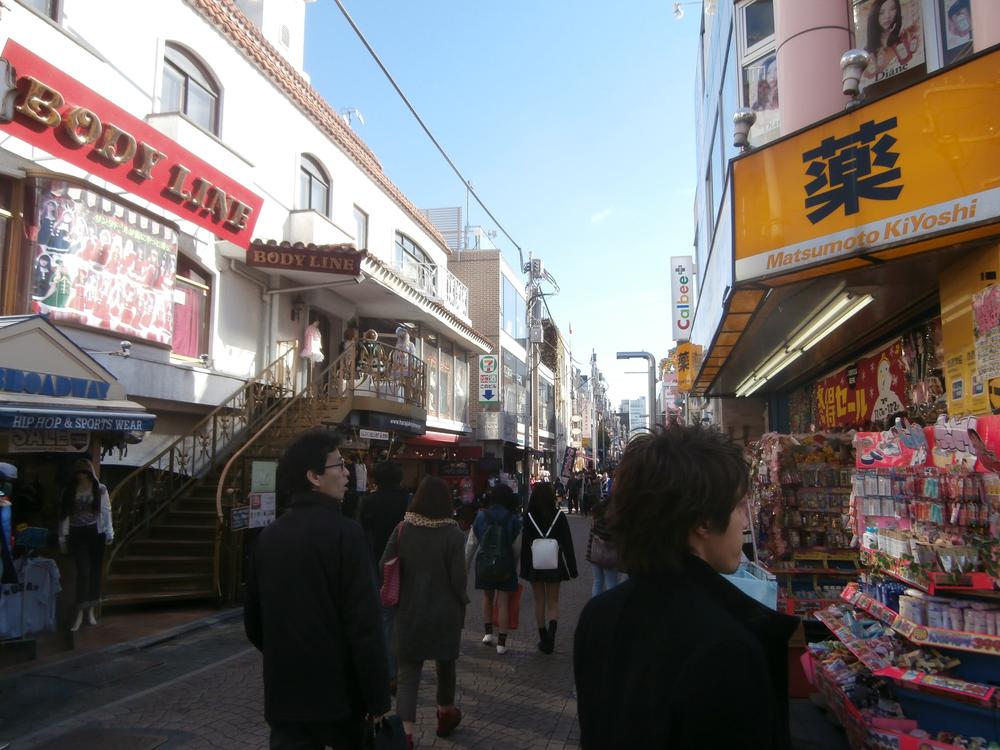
[
  {"x": 686, "y": 358},
  {"x": 912, "y": 166}
]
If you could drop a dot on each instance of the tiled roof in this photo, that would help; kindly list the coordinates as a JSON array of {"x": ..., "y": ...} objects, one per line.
[{"x": 226, "y": 16}]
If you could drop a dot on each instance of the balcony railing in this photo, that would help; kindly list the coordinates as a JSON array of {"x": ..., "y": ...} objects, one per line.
[
  {"x": 457, "y": 295},
  {"x": 423, "y": 276}
]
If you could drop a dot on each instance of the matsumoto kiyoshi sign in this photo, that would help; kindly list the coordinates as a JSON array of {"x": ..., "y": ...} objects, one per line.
[
  {"x": 681, "y": 296},
  {"x": 912, "y": 167}
]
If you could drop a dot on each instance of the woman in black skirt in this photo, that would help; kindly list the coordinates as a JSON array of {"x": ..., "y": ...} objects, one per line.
[{"x": 544, "y": 520}]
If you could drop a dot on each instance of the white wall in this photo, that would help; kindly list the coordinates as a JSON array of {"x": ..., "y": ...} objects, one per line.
[{"x": 262, "y": 136}]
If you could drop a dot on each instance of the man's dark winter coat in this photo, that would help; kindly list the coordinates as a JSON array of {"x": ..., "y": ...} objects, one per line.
[
  {"x": 682, "y": 661},
  {"x": 379, "y": 514},
  {"x": 313, "y": 610}
]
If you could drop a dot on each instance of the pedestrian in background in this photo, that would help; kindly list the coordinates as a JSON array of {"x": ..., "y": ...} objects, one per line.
[
  {"x": 432, "y": 599},
  {"x": 494, "y": 544},
  {"x": 591, "y": 492},
  {"x": 652, "y": 655},
  {"x": 544, "y": 521},
  {"x": 313, "y": 610},
  {"x": 380, "y": 512},
  {"x": 573, "y": 490},
  {"x": 601, "y": 552}
]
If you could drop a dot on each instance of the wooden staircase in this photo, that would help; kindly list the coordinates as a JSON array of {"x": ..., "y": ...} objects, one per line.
[
  {"x": 173, "y": 541},
  {"x": 173, "y": 559}
]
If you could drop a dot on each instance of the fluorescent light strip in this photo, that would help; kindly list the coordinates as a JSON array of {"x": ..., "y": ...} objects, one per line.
[
  {"x": 758, "y": 385},
  {"x": 820, "y": 320},
  {"x": 792, "y": 356},
  {"x": 851, "y": 311}
]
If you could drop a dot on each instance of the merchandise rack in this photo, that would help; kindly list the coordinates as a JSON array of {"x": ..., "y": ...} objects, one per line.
[
  {"x": 862, "y": 733},
  {"x": 933, "y": 582},
  {"x": 922, "y": 635},
  {"x": 952, "y": 687}
]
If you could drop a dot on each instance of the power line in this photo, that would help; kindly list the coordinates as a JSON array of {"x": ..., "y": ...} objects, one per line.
[{"x": 419, "y": 119}]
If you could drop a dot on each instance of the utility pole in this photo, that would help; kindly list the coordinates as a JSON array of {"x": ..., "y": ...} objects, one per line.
[{"x": 532, "y": 322}]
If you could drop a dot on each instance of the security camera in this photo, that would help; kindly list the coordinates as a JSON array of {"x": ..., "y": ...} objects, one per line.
[
  {"x": 126, "y": 347},
  {"x": 852, "y": 65},
  {"x": 204, "y": 359},
  {"x": 743, "y": 120}
]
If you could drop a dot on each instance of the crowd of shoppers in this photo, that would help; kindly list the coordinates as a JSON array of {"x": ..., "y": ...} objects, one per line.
[{"x": 650, "y": 654}]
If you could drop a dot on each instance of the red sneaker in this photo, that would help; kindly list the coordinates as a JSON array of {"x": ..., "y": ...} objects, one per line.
[{"x": 448, "y": 719}]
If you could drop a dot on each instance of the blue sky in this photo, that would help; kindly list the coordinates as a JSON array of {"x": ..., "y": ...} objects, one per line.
[{"x": 574, "y": 120}]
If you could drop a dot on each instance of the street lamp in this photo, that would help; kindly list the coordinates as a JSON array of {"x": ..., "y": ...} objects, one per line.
[{"x": 651, "y": 396}]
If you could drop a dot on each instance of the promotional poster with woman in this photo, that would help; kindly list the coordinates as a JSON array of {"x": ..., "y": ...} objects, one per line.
[
  {"x": 100, "y": 264},
  {"x": 760, "y": 92},
  {"x": 892, "y": 33},
  {"x": 957, "y": 30}
]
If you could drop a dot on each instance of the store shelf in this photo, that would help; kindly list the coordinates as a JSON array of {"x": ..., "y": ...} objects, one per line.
[
  {"x": 856, "y": 646},
  {"x": 953, "y": 687},
  {"x": 860, "y": 732},
  {"x": 814, "y": 571},
  {"x": 934, "y": 582},
  {"x": 922, "y": 635}
]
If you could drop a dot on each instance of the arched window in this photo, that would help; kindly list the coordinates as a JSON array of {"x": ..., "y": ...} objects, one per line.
[
  {"x": 189, "y": 88},
  {"x": 314, "y": 186},
  {"x": 416, "y": 265}
]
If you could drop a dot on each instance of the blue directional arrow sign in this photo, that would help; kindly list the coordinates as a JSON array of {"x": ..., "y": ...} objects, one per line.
[{"x": 489, "y": 379}]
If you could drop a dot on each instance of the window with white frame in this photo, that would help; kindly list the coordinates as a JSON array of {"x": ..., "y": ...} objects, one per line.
[
  {"x": 314, "y": 186},
  {"x": 415, "y": 265},
  {"x": 189, "y": 88},
  {"x": 360, "y": 229},
  {"x": 759, "y": 67}
]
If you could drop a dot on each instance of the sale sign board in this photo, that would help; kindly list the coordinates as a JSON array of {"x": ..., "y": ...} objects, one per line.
[{"x": 878, "y": 391}]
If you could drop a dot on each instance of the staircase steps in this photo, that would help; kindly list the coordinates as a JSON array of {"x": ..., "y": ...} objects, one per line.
[
  {"x": 123, "y": 583},
  {"x": 155, "y": 597},
  {"x": 170, "y": 548},
  {"x": 182, "y": 531},
  {"x": 166, "y": 563}
]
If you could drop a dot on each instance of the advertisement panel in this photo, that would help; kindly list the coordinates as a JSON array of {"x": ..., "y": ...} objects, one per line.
[
  {"x": 892, "y": 33},
  {"x": 872, "y": 390},
  {"x": 99, "y": 264},
  {"x": 682, "y": 288},
  {"x": 911, "y": 166}
]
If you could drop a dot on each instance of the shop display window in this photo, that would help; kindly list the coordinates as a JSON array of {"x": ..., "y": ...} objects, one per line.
[
  {"x": 445, "y": 381},
  {"x": 892, "y": 31},
  {"x": 461, "y": 389},
  {"x": 192, "y": 309},
  {"x": 430, "y": 356}
]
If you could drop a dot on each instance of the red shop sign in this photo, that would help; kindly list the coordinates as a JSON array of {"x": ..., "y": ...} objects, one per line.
[
  {"x": 61, "y": 116},
  {"x": 879, "y": 391}
]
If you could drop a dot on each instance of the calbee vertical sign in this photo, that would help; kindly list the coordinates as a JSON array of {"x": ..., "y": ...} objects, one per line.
[{"x": 681, "y": 296}]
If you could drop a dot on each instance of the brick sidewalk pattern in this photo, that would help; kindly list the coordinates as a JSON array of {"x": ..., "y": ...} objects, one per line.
[{"x": 522, "y": 699}]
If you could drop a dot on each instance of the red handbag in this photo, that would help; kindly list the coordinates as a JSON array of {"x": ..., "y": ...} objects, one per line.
[{"x": 390, "y": 575}]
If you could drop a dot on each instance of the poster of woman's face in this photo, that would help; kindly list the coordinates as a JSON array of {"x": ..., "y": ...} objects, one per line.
[
  {"x": 892, "y": 33},
  {"x": 760, "y": 90},
  {"x": 957, "y": 25}
]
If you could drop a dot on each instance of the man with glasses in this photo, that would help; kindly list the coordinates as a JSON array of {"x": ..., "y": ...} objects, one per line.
[{"x": 312, "y": 608}]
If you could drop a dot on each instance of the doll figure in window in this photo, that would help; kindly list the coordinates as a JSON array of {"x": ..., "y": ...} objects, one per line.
[{"x": 401, "y": 364}]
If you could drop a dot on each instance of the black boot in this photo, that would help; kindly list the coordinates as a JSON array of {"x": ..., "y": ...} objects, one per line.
[
  {"x": 543, "y": 639},
  {"x": 550, "y": 639}
]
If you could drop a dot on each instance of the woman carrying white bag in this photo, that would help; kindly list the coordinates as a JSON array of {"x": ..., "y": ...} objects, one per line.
[{"x": 547, "y": 559}]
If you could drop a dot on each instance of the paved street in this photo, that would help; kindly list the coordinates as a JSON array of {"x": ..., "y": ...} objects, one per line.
[{"x": 203, "y": 691}]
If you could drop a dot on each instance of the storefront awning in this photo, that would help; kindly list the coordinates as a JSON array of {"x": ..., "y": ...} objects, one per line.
[
  {"x": 433, "y": 438},
  {"x": 47, "y": 382}
]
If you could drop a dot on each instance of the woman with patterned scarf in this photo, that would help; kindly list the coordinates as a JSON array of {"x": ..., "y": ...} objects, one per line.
[{"x": 432, "y": 599}]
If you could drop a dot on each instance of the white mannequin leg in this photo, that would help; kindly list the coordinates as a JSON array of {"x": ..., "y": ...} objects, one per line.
[
  {"x": 91, "y": 616},
  {"x": 78, "y": 621}
]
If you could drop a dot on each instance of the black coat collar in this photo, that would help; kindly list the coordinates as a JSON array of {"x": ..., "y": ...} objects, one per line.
[
  {"x": 768, "y": 624},
  {"x": 313, "y": 498}
]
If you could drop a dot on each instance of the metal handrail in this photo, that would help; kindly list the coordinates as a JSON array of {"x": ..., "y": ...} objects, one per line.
[
  {"x": 372, "y": 369},
  {"x": 149, "y": 489}
]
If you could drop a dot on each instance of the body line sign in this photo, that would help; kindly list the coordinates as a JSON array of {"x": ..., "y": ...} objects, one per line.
[{"x": 61, "y": 116}]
